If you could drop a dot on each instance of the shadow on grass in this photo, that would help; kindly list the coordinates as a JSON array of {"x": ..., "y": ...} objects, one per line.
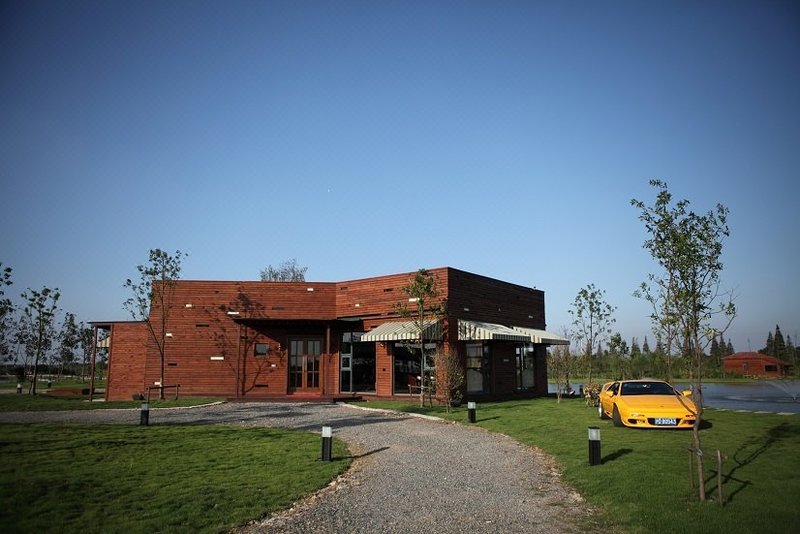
[
  {"x": 615, "y": 455},
  {"x": 745, "y": 455}
]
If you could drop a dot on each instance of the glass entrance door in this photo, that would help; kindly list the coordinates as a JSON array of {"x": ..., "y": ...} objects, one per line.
[{"x": 304, "y": 364}]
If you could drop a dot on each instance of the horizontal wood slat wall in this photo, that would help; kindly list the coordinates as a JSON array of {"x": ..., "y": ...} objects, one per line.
[{"x": 214, "y": 327}]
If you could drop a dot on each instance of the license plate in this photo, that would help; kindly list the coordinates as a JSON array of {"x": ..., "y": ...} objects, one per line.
[{"x": 666, "y": 421}]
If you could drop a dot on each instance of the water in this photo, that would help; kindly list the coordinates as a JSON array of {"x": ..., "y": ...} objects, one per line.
[{"x": 774, "y": 396}]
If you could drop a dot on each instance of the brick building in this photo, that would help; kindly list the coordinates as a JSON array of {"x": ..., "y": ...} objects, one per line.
[
  {"x": 755, "y": 364},
  {"x": 331, "y": 339}
]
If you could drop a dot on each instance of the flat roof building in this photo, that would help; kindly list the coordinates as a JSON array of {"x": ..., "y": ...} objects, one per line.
[{"x": 322, "y": 340}]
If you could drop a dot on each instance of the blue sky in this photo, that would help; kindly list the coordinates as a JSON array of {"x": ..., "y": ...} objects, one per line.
[{"x": 368, "y": 138}]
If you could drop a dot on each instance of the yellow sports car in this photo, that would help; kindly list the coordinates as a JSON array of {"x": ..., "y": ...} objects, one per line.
[{"x": 646, "y": 404}]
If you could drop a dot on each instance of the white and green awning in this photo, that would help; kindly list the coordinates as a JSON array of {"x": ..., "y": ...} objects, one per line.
[
  {"x": 480, "y": 331},
  {"x": 404, "y": 331},
  {"x": 542, "y": 336}
]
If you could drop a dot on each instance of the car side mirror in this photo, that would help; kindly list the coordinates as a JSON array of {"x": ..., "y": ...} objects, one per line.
[{"x": 609, "y": 393}]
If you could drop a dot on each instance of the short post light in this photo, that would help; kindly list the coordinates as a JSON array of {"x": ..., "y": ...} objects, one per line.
[
  {"x": 19, "y": 388},
  {"x": 594, "y": 446},
  {"x": 144, "y": 415},
  {"x": 327, "y": 441},
  {"x": 471, "y": 411}
]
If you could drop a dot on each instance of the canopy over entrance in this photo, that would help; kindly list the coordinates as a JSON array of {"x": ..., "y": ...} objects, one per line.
[
  {"x": 542, "y": 336},
  {"x": 480, "y": 331},
  {"x": 404, "y": 331}
]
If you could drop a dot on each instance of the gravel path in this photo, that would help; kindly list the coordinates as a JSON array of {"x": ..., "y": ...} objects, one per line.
[{"x": 409, "y": 474}]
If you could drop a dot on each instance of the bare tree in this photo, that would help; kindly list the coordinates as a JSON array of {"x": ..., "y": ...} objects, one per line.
[
  {"x": 559, "y": 365},
  {"x": 450, "y": 376},
  {"x": 154, "y": 290},
  {"x": 686, "y": 295},
  {"x": 39, "y": 322},
  {"x": 287, "y": 271}
]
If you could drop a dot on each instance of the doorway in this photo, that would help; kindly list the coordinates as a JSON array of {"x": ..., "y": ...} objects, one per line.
[{"x": 304, "y": 365}]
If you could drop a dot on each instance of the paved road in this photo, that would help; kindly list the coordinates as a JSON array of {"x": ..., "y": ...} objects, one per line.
[{"x": 409, "y": 474}]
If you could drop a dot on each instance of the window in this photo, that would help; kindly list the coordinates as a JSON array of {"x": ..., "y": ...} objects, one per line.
[
  {"x": 262, "y": 350},
  {"x": 478, "y": 368}
]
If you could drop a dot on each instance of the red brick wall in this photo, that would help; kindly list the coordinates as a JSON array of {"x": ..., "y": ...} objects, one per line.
[{"x": 126, "y": 361}]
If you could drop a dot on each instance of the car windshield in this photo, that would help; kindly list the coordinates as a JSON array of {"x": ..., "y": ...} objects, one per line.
[{"x": 647, "y": 388}]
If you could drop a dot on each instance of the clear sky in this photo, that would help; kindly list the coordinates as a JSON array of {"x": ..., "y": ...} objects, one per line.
[{"x": 369, "y": 138}]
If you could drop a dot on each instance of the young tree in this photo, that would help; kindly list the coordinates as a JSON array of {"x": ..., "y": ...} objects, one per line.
[
  {"x": 592, "y": 318},
  {"x": 688, "y": 248},
  {"x": 154, "y": 289},
  {"x": 6, "y": 315},
  {"x": 39, "y": 323},
  {"x": 70, "y": 340},
  {"x": 288, "y": 271},
  {"x": 86, "y": 345},
  {"x": 618, "y": 353},
  {"x": 423, "y": 294},
  {"x": 450, "y": 376}
]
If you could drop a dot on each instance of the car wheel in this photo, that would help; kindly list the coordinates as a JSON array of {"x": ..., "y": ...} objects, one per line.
[
  {"x": 615, "y": 416},
  {"x": 600, "y": 413}
]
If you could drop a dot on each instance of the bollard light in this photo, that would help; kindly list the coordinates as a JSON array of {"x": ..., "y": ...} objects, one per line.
[
  {"x": 594, "y": 446},
  {"x": 327, "y": 441},
  {"x": 471, "y": 411},
  {"x": 19, "y": 388},
  {"x": 144, "y": 415}
]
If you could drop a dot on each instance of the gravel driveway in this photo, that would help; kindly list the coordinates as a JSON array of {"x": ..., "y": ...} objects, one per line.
[{"x": 409, "y": 474}]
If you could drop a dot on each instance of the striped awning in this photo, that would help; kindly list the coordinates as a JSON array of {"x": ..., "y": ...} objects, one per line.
[
  {"x": 542, "y": 336},
  {"x": 404, "y": 331},
  {"x": 480, "y": 331}
]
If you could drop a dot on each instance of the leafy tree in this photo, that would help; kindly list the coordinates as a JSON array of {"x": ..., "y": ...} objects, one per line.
[
  {"x": 423, "y": 294},
  {"x": 686, "y": 295},
  {"x": 38, "y": 320},
  {"x": 729, "y": 349},
  {"x": 638, "y": 360},
  {"x": 70, "y": 340},
  {"x": 618, "y": 352},
  {"x": 592, "y": 318},
  {"x": 154, "y": 289},
  {"x": 779, "y": 348},
  {"x": 769, "y": 350},
  {"x": 6, "y": 314},
  {"x": 86, "y": 346},
  {"x": 288, "y": 271}
]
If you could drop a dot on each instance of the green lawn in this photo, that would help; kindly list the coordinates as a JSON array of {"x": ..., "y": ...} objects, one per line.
[
  {"x": 643, "y": 483},
  {"x": 37, "y": 403},
  {"x": 185, "y": 478}
]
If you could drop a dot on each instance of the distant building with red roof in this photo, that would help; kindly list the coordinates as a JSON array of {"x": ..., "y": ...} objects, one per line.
[{"x": 755, "y": 364}]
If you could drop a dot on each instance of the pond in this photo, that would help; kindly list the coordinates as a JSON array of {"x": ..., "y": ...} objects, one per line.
[{"x": 774, "y": 396}]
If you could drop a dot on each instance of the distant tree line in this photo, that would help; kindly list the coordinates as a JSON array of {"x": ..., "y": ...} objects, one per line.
[
  {"x": 38, "y": 338},
  {"x": 617, "y": 359}
]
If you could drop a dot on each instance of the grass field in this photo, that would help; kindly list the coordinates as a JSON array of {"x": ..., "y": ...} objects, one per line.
[
  {"x": 33, "y": 403},
  {"x": 118, "y": 478},
  {"x": 643, "y": 483}
]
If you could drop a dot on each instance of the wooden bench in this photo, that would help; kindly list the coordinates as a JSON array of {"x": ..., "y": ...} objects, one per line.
[{"x": 159, "y": 388}]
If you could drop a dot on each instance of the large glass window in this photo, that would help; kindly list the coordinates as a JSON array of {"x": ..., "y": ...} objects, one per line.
[
  {"x": 407, "y": 375},
  {"x": 525, "y": 366},
  {"x": 479, "y": 372},
  {"x": 357, "y": 364}
]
